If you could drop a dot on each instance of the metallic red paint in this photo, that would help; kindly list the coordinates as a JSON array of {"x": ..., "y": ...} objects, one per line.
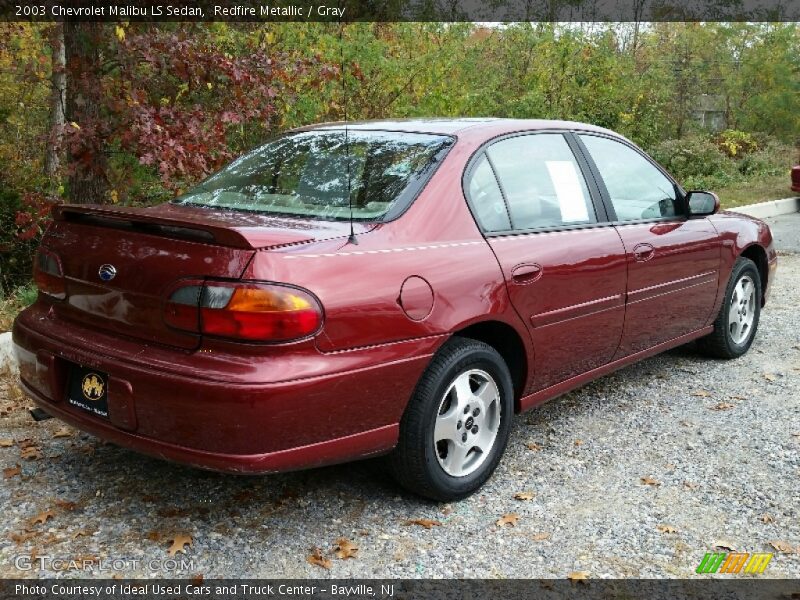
[{"x": 582, "y": 302}]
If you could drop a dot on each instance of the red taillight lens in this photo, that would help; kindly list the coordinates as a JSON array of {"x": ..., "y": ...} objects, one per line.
[
  {"x": 264, "y": 312},
  {"x": 48, "y": 274}
]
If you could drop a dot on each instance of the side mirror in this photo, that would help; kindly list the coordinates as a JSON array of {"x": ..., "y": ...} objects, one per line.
[{"x": 702, "y": 204}]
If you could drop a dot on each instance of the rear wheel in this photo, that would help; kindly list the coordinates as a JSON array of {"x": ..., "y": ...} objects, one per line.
[
  {"x": 737, "y": 322},
  {"x": 456, "y": 426}
]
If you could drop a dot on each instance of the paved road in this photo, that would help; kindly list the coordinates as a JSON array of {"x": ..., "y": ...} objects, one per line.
[{"x": 717, "y": 443}]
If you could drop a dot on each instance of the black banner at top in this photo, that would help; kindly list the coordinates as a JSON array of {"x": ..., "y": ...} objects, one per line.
[{"x": 399, "y": 10}]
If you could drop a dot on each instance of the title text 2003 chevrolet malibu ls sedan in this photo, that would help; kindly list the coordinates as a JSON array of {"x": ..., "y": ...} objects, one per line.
[{"x": 495, "y": 264}]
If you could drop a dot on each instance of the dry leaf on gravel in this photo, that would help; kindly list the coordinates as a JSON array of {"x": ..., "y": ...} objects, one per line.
[
  {"x": 22, "y": 537},
  {"x": 426, "y": 523},
  {"x": 649, "y": 481},
  {"x": 316, "y": 558},
  {"x": 691, "y": 485},
  {"x": 538, "y": 537},
  {"x": 781, "y": 546},
  {"x": 508, "y": 519},
  {"x": 724, "y": 545},
  {"x": 767, "y": 518},
  {"x": 738, "y": 397},
  {"x": 82, "y": 533},
  {"x": 666, "y": 529},
  {"x": 579, "y": 442},
  {"x": 701, "y": 394},
  {"x": 10, "y": 472},
  {"x": 42, "y": 517},
  {"x": 447, "y": 509},
  {"x": 524, "y": 495},
  {"x": 66, "y": 504},
  {"x": 581, "y": 576},
  {"x": 5, "y": 443},
  {"x": 345, "y": 549},
  {"x": 722, "y": 406},
  {"x": 63, "y": 432},
  {"x": 534, "y": 446},
  {"x": 30, "y": 453},
  {"x": 179, "y": 541},
  {"x": 769, "y": 377}
]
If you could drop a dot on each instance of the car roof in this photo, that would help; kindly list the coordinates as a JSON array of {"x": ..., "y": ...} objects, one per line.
[{"x": 482, "y": 126}]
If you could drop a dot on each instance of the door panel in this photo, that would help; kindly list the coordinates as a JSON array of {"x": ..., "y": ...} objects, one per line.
[
  {"x": 673, "y": 268},
  {"x": 573, "y": 305}
]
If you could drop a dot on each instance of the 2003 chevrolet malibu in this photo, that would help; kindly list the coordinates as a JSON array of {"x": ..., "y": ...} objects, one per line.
[{"x": 392, "y": 287}]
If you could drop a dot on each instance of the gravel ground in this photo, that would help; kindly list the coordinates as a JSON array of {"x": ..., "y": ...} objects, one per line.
[{"x": 719, "y": 442}]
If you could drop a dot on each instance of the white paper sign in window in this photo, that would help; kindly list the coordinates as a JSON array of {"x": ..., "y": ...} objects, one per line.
[{"x": 568, "y": 189}]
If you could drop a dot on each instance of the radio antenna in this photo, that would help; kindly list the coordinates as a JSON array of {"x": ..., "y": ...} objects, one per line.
[{"x": 352, "y": 239}]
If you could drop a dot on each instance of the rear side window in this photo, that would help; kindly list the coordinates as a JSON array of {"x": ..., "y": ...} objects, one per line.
[
  {"x": 487, "y": 200},
  {"x": 636, "y": 188},
  {"x": 541, "y": 181}
]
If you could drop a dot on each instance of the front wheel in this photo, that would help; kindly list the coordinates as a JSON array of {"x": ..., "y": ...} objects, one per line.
[
  {"x": 456, "y": 426},
  {"x": 737, "y": 322}
]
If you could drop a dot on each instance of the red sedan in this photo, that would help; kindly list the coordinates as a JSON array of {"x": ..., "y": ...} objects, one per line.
[{"x": 392, "y": 287}]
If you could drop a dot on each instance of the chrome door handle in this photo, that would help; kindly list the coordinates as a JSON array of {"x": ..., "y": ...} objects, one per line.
[
  {"x": 643, "y": 252},
  {"x": 526, "y": 273}
]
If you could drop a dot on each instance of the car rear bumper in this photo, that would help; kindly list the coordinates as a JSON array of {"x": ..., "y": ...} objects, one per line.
[{"x": 305, "y": 410}]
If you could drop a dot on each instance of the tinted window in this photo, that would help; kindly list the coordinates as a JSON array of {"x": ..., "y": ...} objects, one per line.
[
  {"x": 542, "y": 182},
  {"x": 486, "y": 198},
  {"x": 638, "y": 190},
  {"x": 306, "y": 174}
]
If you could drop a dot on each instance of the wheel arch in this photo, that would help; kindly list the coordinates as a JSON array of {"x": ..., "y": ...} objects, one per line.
[
  {"x": 758, "y": 254},
  {"x": 509, "y": 344}
]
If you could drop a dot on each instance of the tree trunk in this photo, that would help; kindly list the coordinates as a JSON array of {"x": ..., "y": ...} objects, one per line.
[
  {"x": 87, "y": 168},
  {"x": 58, "y": 98}
]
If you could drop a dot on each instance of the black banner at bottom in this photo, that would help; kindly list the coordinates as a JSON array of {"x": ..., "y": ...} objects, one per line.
[{"x": 422, "y": 589}]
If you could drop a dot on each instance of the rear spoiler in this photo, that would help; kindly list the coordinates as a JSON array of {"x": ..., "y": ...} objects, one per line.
[{"x": 142, "y": 220}]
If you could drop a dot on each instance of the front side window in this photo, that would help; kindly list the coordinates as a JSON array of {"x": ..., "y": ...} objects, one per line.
[
  {"x": 542, "y": 181},
  {"x": 636, "y": 188},
  {"x": 309, "y": 174}
]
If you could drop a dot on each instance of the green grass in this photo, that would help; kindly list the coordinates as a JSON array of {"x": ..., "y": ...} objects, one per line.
[
  {"x": 771, "y": 187},
  {"x": 11, "y": 304}
]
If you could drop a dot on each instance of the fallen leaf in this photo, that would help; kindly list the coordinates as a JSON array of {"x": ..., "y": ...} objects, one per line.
[
  {"x": 447, "y": 509},
  {"x": 796, "y": 434},
  {"x": 10, "y": 472},
  {"x": 30, "y": 453},
  {"x": 42, "y": 517},
  {"x": 738, "y": 398},
  {"x": 179, "y": 541},
  {"x": 508, "y": 519},
  {"x": 581, "y": 576},
  {"x": 782, "y": 546},
  {"x": 534, "y": 446},
  {"x": 767, "y": 518},
  {"x": 686, "y": 423},
  {"x": 345, "y": 548},
  {"x": 6, "y": 443},
  {"x": 579, "y": 442},
  {"x": 22, "y": 537},
  {"x": 66, "y": 504},
  {"x": 649, "y": 481},
  {"x": 426, "y": 523},
  {"x": 82, "y": 533},
  {"x": 538, "y": 537},
  {"x": 722, "y": 406},
  {"x": 524, "y": 495},
  {"x": 63, "y": 432},
  {"x": 701, "y": 394},
  {"x": 316, "y": 558},
  {"x": 666, "y": 529},
  {"x": 769, "y": 377},
  {"x": 724, "y": 545},
  {"x": 153, "y": 536},
  {"x": 691, "y": 485}
]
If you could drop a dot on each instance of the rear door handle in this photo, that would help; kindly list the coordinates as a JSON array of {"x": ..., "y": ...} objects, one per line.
[
  {"x": 526, "y": 273},
  {"x": 643, "y": 252}
]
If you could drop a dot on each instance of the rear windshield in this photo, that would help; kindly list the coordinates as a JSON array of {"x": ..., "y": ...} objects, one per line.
[{"x": 306, "y": 174}]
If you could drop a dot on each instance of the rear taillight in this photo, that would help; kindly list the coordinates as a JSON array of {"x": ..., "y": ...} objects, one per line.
[
  {"x": 245, "y": 310},
  {"x": 48, "y": 274}
]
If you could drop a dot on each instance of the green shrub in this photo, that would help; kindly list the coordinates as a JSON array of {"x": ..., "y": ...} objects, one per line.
[
  {"x": 692, "y": 158},
  {"x": 736, "y": 143}
]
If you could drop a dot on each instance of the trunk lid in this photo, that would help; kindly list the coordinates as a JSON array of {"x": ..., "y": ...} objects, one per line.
[{"x": 149, "y": 250}]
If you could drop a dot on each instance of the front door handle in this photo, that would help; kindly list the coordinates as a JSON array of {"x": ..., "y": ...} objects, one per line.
[
  {"x": 526, "y": 273},
  {"x": 643, "y": 252}
]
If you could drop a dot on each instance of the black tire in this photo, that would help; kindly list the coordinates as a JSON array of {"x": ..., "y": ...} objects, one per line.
[
  {"x": 720, "y": 343},
  {"x": 415, "y": 460}
]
